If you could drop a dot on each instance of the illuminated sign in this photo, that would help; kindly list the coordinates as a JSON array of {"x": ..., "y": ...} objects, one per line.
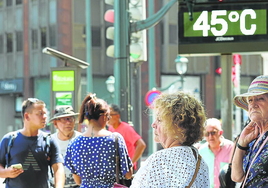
[
  {"x": 64, "y": 99},
  {"x": 63, "y": 80},
  {"x": 223, "y": 28}
]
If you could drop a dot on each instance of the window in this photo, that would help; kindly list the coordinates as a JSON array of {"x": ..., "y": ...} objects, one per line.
[
  {"x": 8, "y": 3},
  {"x": 1, "y": 3},
  {"x": 18, "y": 2},
  {"x": 1, "y": 44},
  {"x": 43, "y": 37},
  {"x": 34, "y": 39},
  {"x": 19, "y": 41},
  {"x": 52, "y": 35},
  {"x": 9, "y": 42},
  {"x": 95, "y": 37}
]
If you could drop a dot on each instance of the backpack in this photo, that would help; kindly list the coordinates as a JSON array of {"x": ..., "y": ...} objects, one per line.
[{"x": 13, "y": 136}]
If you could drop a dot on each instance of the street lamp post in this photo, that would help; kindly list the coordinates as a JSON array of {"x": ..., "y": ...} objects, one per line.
[
  {"x": 110, "y": 86},
  {"x": 181, "y": 67}
]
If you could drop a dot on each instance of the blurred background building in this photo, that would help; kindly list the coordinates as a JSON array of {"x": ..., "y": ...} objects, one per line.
[{"x": 28, "y": 26}]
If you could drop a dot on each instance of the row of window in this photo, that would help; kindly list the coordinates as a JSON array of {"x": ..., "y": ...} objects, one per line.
[
  {"x": 10, "y": 2},
  {"x": 18, "y": 40},
  {"x": 9, "y": 42}
]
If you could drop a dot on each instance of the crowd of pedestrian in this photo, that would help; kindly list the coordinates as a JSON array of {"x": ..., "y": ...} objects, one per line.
[{"x": 106, "y": 153}]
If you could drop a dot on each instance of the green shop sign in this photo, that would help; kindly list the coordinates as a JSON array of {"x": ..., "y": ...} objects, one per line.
[
  {"x": 64, "y": 99},
  {"x": 63, "y": 80}
]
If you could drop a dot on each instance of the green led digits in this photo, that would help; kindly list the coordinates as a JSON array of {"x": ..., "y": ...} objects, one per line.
[{"x": 226, "y": 23}]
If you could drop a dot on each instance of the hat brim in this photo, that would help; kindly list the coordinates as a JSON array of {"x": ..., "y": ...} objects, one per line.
[
  {"x": 241, "y": 100},
  {"x": 64, "y": 115}
]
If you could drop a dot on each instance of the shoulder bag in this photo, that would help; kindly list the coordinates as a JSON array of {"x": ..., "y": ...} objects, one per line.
[
  {"x": 117, "y": 158},
  {"x": 195, "y": 173}
]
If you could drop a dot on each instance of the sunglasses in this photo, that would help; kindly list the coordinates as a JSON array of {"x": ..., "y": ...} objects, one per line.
[
  {"x": 65, "y": 119},
  {"x": 212, "y": 133},
  {"x": 29, "y": 102}
]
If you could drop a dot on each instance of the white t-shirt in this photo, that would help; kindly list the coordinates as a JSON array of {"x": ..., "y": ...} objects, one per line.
[
  {"x": 172, "y": 167},
  {"x": 63, "y": 147}
]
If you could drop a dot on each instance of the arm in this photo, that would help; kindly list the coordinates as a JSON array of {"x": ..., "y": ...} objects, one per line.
[
  {"x": 237, "y": 173},
  {"x": 9, "y": 172},
  {"x": 77, "y": 179},
  {"x": 128, "y": 175},
  {"x": 140, "y": 147},
  {"x": 249, "y": 133},
  {"x": 59, "y": 175}
]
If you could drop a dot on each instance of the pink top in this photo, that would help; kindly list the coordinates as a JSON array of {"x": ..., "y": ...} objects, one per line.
[
  {"x": 130, "y": 136},
  {"x": 215, "y": 163}
]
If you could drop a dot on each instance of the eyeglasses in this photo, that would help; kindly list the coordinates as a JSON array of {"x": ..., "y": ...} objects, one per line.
[
  {"x": 212, "y": 133},
  {"x": 107, "y": 116},
  {"x": 28, "y": 103},
  {"x": 65, "y": 119}
]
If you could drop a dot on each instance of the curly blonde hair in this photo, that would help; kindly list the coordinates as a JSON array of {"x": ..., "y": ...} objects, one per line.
[{"x": 183, "y": 117}]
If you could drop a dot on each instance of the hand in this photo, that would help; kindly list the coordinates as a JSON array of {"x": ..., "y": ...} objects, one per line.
[
  {"x": 249, "y": 133},
  {"x": 13, "y": 172}
]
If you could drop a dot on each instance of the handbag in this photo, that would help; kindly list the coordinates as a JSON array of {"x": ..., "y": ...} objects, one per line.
[
  {"x": 117, "y": 183},
  {"x": 225, "y": 177},
  {"x": 195, "y": 173}
]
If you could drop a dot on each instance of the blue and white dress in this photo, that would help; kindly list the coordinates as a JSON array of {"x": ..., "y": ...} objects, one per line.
[{"x": 93, "y": 159}]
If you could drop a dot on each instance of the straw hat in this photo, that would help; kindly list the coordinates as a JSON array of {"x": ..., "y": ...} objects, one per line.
[
  {"x": 258, "y": 86},
  {"x": 63, "y": 111}
]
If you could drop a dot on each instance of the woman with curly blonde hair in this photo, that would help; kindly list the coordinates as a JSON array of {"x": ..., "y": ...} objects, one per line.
[{"x": 178, "y": 125}]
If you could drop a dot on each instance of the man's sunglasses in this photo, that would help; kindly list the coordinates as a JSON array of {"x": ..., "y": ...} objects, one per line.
[{"x": 212, "y": 133}]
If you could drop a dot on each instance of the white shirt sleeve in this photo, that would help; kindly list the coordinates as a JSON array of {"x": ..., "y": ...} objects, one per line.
[{"x": 172, "y": 167}]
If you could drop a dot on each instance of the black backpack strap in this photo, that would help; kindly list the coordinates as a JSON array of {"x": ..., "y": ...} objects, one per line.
[
  {"x": 12, "y": 137},
  {"x": 47, "y": 138},
  {"x": 10, "y": 144}
]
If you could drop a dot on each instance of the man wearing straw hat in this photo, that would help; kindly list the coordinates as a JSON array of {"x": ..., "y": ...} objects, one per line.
[
  {"x": 64, "y": 122},
  {"x": 250, "y": 162}
]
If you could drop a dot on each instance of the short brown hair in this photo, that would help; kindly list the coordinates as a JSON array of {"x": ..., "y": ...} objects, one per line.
[
  {"x": 27, "y": 105},
  {"x": 183, "y": 116}
]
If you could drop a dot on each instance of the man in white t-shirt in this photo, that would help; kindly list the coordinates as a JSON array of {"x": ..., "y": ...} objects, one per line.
[{"x": 64, "y": 122}]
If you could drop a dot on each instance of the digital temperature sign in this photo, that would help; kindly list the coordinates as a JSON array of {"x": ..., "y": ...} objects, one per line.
[{"x": 223, "y": 28}]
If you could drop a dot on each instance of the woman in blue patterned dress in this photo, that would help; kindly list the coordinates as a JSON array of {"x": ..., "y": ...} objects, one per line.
[
  {"x": 91, "y": 156},
  {"x": 255, "y": 101}
]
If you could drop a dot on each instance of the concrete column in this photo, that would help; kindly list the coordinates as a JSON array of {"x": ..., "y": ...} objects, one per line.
[{"x": 227, "y": 96}]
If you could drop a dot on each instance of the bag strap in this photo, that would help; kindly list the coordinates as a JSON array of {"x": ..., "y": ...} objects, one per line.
[
  {"x": 12, "y": 137},
  {"x": 47, "y": 138},
  {"x": 196, "y": 170},
  {"x": 116, "y": 159},
  {"x": 264, "y": 142}
]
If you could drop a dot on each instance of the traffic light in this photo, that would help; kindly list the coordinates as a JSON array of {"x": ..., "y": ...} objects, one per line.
[
  {"x": 109, "y": 17},
  {"x": 138, "y": 42}
]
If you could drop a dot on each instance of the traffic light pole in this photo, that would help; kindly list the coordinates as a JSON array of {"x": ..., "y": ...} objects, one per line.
[
  {"x": 121, "y": 53},
  {"x": 122, "y": 30}
]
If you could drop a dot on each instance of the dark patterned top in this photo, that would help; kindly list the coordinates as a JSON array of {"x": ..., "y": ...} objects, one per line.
[
  {"x": 93, "y": 159},
  {"x": 257, "y": 176}
]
